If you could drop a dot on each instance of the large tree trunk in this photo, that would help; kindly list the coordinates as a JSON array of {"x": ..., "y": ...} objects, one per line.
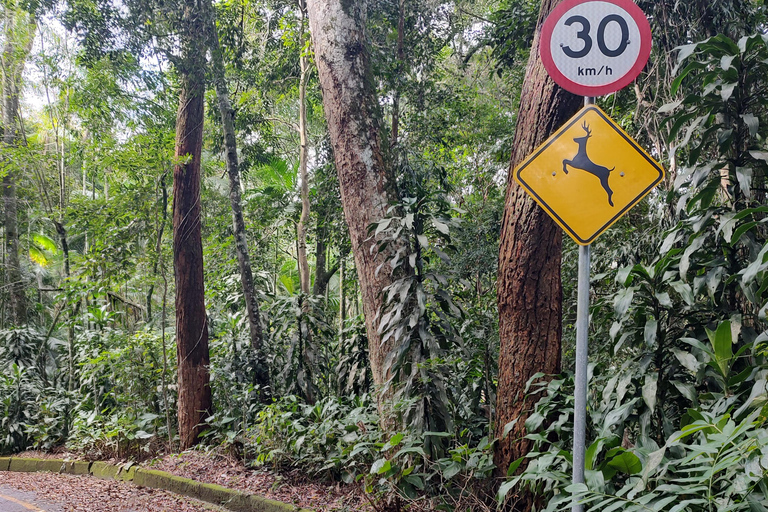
[
  {"x": 227, "y": 113},
  {"x": 19, "y": 35},
  {"x": 367, "y": 187},
  {"x": 529, "y": 287},
  {"x": 194, "y": 402}
]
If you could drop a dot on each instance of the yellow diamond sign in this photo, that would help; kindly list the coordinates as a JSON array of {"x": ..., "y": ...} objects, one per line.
[{"x": 588, "y": 174}]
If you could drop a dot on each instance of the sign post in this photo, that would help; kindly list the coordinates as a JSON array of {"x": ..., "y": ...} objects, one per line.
[
  {"x": 582, "y": 362},
  {"x": 590, "y": 48}
]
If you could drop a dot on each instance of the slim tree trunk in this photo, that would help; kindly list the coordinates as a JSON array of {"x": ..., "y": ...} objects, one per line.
[
  {"x": 303, "y": 155},
  {"x": 398, "y": 74},
  {"x": 194, "y": 401},
  {"x": 529, "y": 287},
  {"x": 322, "y": 273},
  {"x": 227, "y": 114},
  {"x": 158, "y": 243},
  {"x": 367, "y": 186},
  {"x": 19, "y": 35}
]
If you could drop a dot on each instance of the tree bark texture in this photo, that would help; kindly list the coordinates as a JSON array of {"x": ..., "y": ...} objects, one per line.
[
  {"x": 529, "y": 287},
  {"x": 194, "y": 401},
  {"x": 227, "y": 113},
  {"x": 18, "y": 32},
  {"x": 367, "y": 186}
]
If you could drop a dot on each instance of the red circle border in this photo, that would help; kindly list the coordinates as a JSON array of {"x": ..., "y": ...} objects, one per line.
[{"x": 545, "y": 50}]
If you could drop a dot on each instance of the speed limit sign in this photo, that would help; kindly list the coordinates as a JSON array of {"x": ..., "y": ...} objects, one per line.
[{"x": 595, "y": 47}]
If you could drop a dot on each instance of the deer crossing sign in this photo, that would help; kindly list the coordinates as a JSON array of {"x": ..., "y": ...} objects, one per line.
[{"x": 588, "y": 174}]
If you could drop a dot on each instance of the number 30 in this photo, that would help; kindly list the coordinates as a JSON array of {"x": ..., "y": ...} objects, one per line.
[{"x": 583, "y": 34}]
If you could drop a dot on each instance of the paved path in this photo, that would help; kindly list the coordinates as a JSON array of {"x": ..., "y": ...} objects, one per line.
[
  {"x": 14, "y": 500},
  {"x": 50, "y": 492}
]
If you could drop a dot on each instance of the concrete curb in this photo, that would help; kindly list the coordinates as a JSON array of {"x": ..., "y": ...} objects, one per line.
[{"x": 229, "y": 499}]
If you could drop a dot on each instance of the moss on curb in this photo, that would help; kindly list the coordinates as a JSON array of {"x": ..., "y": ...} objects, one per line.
[
  {"x": 227, "y": 498},
  {"x": 77, "y": 467},
  {"x": 50, "y": 466},
  {"x": 23, "y": 465},
  {"x": 104, "y": 471}
]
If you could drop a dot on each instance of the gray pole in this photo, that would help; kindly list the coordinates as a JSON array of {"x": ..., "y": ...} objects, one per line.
[{"x": 580, "y": 392}]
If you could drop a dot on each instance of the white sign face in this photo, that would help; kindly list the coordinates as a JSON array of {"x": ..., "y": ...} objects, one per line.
[{"x": 595, "y": 47}]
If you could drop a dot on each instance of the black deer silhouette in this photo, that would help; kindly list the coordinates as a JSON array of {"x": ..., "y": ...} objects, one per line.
[{"x": 581, "y": 161}]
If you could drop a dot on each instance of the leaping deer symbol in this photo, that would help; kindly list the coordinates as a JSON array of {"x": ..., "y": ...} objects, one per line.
[{"x": 582, "y": 161}]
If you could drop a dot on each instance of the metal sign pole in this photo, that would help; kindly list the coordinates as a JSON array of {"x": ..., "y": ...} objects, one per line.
[{"x": 580, "y": 392}]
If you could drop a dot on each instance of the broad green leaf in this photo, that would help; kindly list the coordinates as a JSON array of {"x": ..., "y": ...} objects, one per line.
[
  {"x": 38, "y": 256},
  {"x": 46, "y": 243},
  {"x": 627, "y": 462},
  {"x": 396, "y": 439},
  {"x": 722, "y": 345},
  {"x": 650, "y": 332},
  {"x": 752, "y": 122},
  {"x": 744, "y": 177},
  {"x": 591, "y": 453},
  {"x": 380, "y": 466},
  {"x": 508, "y": 428},
  {"x": 514, "y": 465},
  {"x": 649, "y": 390},
  {"x": 687, "y": 359}
]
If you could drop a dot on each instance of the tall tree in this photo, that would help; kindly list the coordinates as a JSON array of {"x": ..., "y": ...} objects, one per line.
[
  {"x": 529, "y": 287},
  {"x": 194, "y": 402},
  {"x": 367, "y": 186},
  {"x": 303, "y": 155},
  {"x": 19, "y": 30},
  {"x": 227, "y": 113}
]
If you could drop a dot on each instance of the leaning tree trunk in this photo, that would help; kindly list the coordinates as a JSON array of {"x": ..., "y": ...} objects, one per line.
[
  {"x": 529, "y": 287},
  {"x": 367, "y": 187},
  {"x": 194, "y": 401},
  {"x": 261, "y": 376},
  {"x": 19, "y": 33}
]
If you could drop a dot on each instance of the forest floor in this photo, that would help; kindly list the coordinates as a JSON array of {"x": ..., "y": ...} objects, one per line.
[
  {"x": 48, "y": 492},
  {"x": 295, "y": 487}
]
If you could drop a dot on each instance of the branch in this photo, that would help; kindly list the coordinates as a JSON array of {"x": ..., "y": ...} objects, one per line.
[{"x": 126, "y": 301}]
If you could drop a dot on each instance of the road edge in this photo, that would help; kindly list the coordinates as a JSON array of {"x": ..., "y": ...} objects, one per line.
[{"x": 230, "y": 499}]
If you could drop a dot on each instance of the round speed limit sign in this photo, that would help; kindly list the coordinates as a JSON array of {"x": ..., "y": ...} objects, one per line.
[{"x": 595, "y": 47}]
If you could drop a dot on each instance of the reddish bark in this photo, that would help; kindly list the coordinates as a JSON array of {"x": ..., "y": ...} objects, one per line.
[
  {"x": 529, "y": 287},
  {"x": 194, "y": 402}
]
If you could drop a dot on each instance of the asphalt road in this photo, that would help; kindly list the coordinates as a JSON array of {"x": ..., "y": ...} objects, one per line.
[{"x": 13, "y": 500}]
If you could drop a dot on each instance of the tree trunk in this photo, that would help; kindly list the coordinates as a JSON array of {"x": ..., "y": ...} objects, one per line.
[
  {"x": 303, "y": 154},
  {"x": 529, "y": 287},
  {"x": 158, "y": 243},
  {"x": 322, "y": 274},
  {"x": 400, "y": 66},
  {"x": 19, "y": 35},
  {"x": 261, "y": 376},
  {"x": 194, "y": 401},
  {"x": 367, "y": 187}
]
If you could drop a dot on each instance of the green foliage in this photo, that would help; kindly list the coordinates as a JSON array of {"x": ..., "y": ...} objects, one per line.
[
  {"x": 676, "y": 394},
  {"x": 341, "y": 439},
  {"x": 513, "y": 30},
  {"x": 713, "y": 463},
  {"x": 122, "y": 408}
]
